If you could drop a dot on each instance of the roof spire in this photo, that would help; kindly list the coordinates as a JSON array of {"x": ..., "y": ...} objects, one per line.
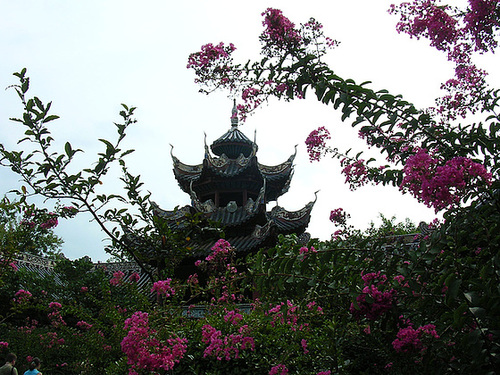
[{"x": 234, "y": 115}]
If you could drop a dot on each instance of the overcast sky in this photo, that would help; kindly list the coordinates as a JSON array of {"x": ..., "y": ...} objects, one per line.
[{"x": 89, "y": 56}]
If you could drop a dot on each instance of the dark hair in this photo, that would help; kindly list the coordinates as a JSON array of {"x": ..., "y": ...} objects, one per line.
[
  {"x": 34, "y": 363},
  {"x": 11, "y": 357}
]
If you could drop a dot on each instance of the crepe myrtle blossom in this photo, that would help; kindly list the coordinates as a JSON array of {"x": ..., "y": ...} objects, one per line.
[
  {"x": 83, "y": 325},
  {"x": 22, "y": 296},
  {"x": 281, "y": 41},
  {"x": 458, "y": 33},
  {"x": 163, "y": 287},
  {"x": 145, "y": 351},
  {"x": 481, "y": 22},
  {"x": 134, "y": 277},
  {"x": 220, "y": 251},
  {"x": 209, "y": 55},
  {"x": 278, "y": 370},
  {"x": 279, "y": 33},
  {"x": 51, "y": 222},
  {"x": 382, "y": 299},
  {"x": 427, "y": 19},
  {"x": 117, "y": 278},
  {"x": 339, "y": 216},
  {"x": 316, "y": 143},
  {"x": 410, "y": 339},
  {"x": 225, "y": 347},
  {"x": 441, "y": 184},
  {"x": 355, "y": 172}
]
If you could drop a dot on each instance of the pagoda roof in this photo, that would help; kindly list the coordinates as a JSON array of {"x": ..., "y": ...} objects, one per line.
[
  {"x": 233, "y": 143},
  {"x": 278, "y": 177},
  {"x": 278, "y": 221}
]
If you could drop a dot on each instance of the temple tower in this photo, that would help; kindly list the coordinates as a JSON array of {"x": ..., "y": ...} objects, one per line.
[{"x": 231, "y": 187}]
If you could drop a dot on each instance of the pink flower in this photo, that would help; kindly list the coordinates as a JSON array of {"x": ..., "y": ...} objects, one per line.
[
  {"x": 163, "y": 287},
  {"x": 278, "y": 370},
  {"x": 51, "y": 222},
  {"x": 316, "y": 143},
  {"x": 13, "y": 265},
  {"x": 55, "y": 305},
  {"x": 356, "y": 173},
  {"x": 4, "y": 345},
  {"x": 233, "y": 316},
  {"x": 135, "y": 277},
  {"x": 409, "y": 339},
  {"x": 280, "y": 32},
  {"x": 441, "y": 184},
  {"x": 225, "y": 347},
  {"x": 144, "y": 350},
  {"x": 84, "y": 325},
  {"x": 303, "y": 343},
  {"x": 117, "y": 278},
  {"x": 339, "y": 216},
  {"x": 209, "y": 54},
  {"x": 22, "y": 296}
]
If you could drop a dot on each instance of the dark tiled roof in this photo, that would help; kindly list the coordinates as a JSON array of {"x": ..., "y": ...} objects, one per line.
[
  {"x": 291, "y": 221},
  {"x": 44, "y": 267},
  {"x": 223, "y": 172},
  {"x": 232, "y": 144}
]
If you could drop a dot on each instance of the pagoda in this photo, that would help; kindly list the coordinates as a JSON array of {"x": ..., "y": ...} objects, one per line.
[{"x": 232, "y": 188}]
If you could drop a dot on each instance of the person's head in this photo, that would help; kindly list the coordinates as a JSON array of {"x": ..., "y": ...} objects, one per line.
[
  {"x": 35, "y": 363},
  {"x": 11, "y": 358}
]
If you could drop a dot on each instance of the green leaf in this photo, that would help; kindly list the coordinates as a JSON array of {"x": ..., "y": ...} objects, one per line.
[{"x": 50, "y": 118}]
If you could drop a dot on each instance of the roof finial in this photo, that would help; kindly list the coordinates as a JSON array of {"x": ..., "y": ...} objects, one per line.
[{"x": 234, "y": 115}]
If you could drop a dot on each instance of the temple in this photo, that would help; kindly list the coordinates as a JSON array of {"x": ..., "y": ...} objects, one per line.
[{"x": 231, "y": 187}]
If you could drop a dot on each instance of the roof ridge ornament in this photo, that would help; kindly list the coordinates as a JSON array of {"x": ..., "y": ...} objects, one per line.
[{"x": 234, "y": 116}]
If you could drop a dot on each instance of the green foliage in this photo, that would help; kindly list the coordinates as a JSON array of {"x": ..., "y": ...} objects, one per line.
[
  {"x": 22, "y": 233},
  {"x": 127, "y": 219}
]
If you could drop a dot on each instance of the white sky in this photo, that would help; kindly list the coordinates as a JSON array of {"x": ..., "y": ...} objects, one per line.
[{"x": 89, "y": 56}]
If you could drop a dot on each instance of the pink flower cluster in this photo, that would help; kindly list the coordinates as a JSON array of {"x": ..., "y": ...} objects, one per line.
[
  {"x": 232, "y": 316},
  {"x": 356, "y": 173},
  {"x": 426, "y": 19},
  {"x": 220, "y": 251},
  {"x": 382, "y": 300},
  {"x": 339, "y": 216},
  {"x": 279, "y": 30},
  {"x": 51, "y": 222},
  {"x": 278, "y": 370},
  {"x": 134, "y": 277},
  {"x": 145, "y": 351},
  {"x": 117, "y": 278},
  {"x": 316, "y": 143},
  {"x": 55, "y": 315},
  {"x": 305, "y": 251},
  {"x": 84, "y": 325},
  {"x": 22, "y": 296},
  {"x": 163, "y": 287},
  {"x": 459, "y": 33},
  {"x": 50, "y": 340},
  {"x": 409, "y": 339},
  {"x": 288, "y": 315},
  {"x": 441, "y": 184},
  {"x": 4, "y": 345},
  {"x": 225, "y": 347},
  {"x": 210, "y": 54},
  {"x": 481, "y": 22}
]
